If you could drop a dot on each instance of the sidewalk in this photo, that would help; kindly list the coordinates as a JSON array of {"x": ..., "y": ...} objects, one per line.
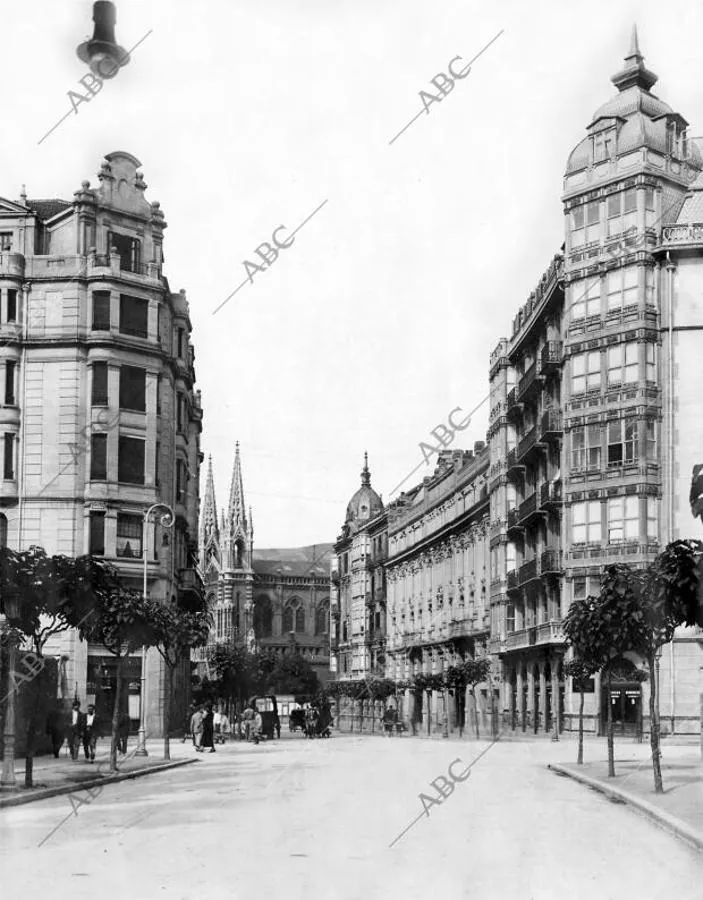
[
  {"x": 61, "y": 776},
  {"x": 678, "y": 810}
]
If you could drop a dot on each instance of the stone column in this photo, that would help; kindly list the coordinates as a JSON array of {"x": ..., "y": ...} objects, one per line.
[
  {"x": 531, "y": 697},
  {"x": 520, "y": 697},
  {"x": 541, "y": 720},
  {"x": 556, "y": 699}
]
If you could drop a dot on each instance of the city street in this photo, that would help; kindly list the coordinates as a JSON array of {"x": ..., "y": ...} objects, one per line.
[{"x": 315, "y": 819}]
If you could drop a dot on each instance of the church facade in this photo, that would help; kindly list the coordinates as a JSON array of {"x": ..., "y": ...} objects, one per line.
[{"x": 276, "y": 599}]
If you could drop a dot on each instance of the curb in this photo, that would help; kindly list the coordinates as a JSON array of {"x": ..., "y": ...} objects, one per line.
[
  {"x": 46, "y": 793},
  {"x": 657, "y": 816}
]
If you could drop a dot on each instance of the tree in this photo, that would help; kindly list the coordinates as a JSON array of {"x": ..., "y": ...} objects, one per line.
[
  {"x": 581, "y": 673},
  {"x": 122, "y": 621},
  {"x": 476, "y": 671},
  {"x": 292, "y": 674},
  {"x": 177, "y": 631}
]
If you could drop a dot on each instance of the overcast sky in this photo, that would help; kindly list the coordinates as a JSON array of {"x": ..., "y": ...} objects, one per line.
[{"x": 380, "y": 318}]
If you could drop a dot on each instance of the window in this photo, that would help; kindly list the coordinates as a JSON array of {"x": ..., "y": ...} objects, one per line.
[
  {"x": 179, "y": 343},
  {"x": 180, "y": 481},
  {"x": 157, "y": 454},
  {"x": 586, "y": 447},
  {"x": 98, "y": 457},
  {"x": 651, "y": 364},
  {"x": 510, "y": 618},
  {"x": 10, "y": 369},
  {"x": 579, "y": 588},
  {"x": 128, "y": 249},
  {"x": 603, "y": 144},
  {"x": 130, "y": 460},
  {"x": 578, "y": 235},
  {"x": 649, "y": 207},
  {"x": 622, "y": 364},
  {"x": 133, "y": 388},
  {"x": 322, "y": 618},
  {"x": 134, "y": 316},
  {"x": 585, "y": 372},
  {"x": 11, "y": 305},
  {"x": 99, "y": 388},
  {"x": 650, "y": 437},
  {"x": 8, "y": 466},
  {"x": 623, "y": 519},
  {"x": 294, "y": 617},
  {"x": 649, "y": 296},
  {"x": 5, "y": 241},
  {"x": 179, "y": 412},
  {"x": 592, "y": 222},
  {"x": 586, "y": 522},
  {"x": 652, "y": 518},
  {"x": 158, "y": 395},
  {"x": 586, "y": 299},
  {"x": 622, "y": 442},
  {"x": 97, "y": 534},
  {"x": 101, "y": 310},
  {"x": 129, "y": 536},
  {"x": 622, "y": 212},
  {"x": 622, "y": 288},
  {"x": 3, "y": 530},
  {"x": 263, "y": 617}
]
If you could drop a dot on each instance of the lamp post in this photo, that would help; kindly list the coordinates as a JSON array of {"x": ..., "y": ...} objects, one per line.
[
  {"x": 7, "y": 779},
  {"x": 167, "y": 520}
]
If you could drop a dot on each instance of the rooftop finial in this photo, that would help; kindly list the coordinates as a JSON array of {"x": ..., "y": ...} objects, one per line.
[
  {"x": 635, "y": 74},
  {"x": 365, "y": 474}
]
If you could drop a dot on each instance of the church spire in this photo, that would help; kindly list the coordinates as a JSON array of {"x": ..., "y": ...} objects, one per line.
[
  {"x": 209, "y": 537},
  {"x": 635, "y": 74},
  {"x": 236, "y": 511}
]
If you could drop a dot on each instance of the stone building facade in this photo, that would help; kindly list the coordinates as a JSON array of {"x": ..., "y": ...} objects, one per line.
[{"x": 99, "y": 418}]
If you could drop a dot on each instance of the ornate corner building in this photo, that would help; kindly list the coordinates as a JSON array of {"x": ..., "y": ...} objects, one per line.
[
  {"x": 274, "y": 599},
  {"x": 99, "y": 419}
]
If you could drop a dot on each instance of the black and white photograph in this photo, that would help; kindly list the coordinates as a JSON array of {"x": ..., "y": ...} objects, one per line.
[{"x": 351, "y": 433}]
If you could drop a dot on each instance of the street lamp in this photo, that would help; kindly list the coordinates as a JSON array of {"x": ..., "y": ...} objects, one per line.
[
  {"x": 7, "y": 779},
  {"x": 167, "y": 520}
]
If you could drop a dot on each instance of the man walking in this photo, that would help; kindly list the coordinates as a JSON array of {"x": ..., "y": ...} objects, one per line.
[
  {"x": 90, "y": 733},
  {"x": 196, "y": 729},
  {"x": 56, "y": 727},
  {"x": 77, "y": 727},
  {"x": 247, "y": 720}
]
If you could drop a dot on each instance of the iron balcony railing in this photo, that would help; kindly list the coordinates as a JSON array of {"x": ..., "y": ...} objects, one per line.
[
  {"x": 550, "y": 561},
  {"x": 551, "y": 425},
  {"x": 528, "y": 571},
  {"x": 551, "y": 356}
]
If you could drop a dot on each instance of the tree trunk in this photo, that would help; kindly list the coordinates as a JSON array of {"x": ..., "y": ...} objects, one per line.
[
  {"x": 31, "y": 732},
  {"x": 611, "y": 747},
  {"x": 579, "y": 758},
  {"x": 473, "y": 694},
  {"x": 654, "y": 727},
  {"x": 116, "y": 716},
  {"x": 168, "y": 681}
]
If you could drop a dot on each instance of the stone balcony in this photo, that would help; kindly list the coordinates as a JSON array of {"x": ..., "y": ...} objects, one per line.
[{"x": 535, "y": 636}]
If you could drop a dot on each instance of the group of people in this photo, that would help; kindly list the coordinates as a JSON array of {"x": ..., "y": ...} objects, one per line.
[
  {"x": 207, "y": 727},
  {"x": 81, "y": 728}
]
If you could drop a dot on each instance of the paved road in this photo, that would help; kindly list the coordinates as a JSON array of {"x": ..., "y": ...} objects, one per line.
[{"x": 296, "y": 819}]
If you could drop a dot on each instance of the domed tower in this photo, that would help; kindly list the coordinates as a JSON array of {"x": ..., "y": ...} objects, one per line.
[{"x": 366, "y": 503}]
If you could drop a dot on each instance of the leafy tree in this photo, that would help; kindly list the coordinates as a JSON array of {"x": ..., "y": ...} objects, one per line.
[
  {"x": 581, "y": 673},
  {"x": 177, "y": 630},
  {"x": 236, "y": 671},
  {"x": 476, "y": 671},
  {"x": 292, "y": 674},
  {"x": 122, "y": 621}
]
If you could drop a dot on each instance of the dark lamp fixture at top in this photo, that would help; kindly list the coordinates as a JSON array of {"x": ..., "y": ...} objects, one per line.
[{"x": 103, "y": 54}]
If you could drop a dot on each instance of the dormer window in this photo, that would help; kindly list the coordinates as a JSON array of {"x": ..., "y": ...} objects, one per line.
[
  {"x": 676, "y": 140},
  {"x": 603, "y": 145}
]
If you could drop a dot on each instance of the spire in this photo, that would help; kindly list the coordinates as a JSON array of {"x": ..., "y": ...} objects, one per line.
[
  {"x": 251, "y": 522},
  {"x": 365, "y": 474},
  {"x": 209, "y": 531},
  {"x": 236, "y": 511},
  {"x": 635, "y": 74}
]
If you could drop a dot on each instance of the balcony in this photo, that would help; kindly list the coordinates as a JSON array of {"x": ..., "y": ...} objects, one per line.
[
  {"x": 550, "y": 495},
  {"x": 513, "y": 580},
  {"x": 551, "y": 427},
  {"x": 528, "y": 572},
  {"x": 190, "y": 588},
  {"x": 529, "y": 384},
  {"x": 550, "y": 562},
  {"x": 528, "y": 511},
  {"x": 527, "y": 445},
  {"x": 513, "y": 408},
  {"x": 461, "y": 628},
  {"x": 551, "y": 357},
  {"x": 514, "y": 467},
  {"x": 514, "y": 521},
  {"x": 11, "y": 265},
  {"x": 535, "y": 636}
]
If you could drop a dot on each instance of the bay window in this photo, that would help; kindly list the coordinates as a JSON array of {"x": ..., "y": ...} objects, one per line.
[
  {"x": 586, "y": 300},
  {"x": 622, "y": 212},
  {"x": 585, "y": 372},
  {"x": 622, "y": 364},
  {"x": 586, "y": 447},
  {"x": 622, "y": 288},
  {"x": 622, "y": 442},
  {"x": 651, "y": 362},
  {"x": 623, "y": 519},
  {"x": 586, "y": 522}
]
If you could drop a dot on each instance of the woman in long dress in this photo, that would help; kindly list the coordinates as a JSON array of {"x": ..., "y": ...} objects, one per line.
[{"x": 208, "y": 730}]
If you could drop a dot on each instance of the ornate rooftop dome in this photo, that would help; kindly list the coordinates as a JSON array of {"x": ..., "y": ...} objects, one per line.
[{"x": 365, "y": 504}]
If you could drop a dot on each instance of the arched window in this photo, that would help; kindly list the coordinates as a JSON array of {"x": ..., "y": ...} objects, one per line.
[
  {"x": 239, "y": 554},
  {"x": 294, "y": 617},
  {"x": 322, "y": 618},
  {"x": 263, "y": 617},
  {"x": 3, "y": 530}
]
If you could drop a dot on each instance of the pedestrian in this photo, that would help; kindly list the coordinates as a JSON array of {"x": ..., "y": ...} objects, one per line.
[
  {"x": 257, "y": 725},
  {"x": 189, "y": 715},
  {"x": 224, "y": 728},
  {"x": 208, "y": 730},
  {"x": 123, "y": 724},
  {"x": 56, "y": 728},
  {"x": 217, "y": 725},
  {"x": 196, "y": 729},
  {"x": 247, "y": 719},
  {"x": 91, "y": 733},
  {"x": 388, "y": 721},
  {"x": 77, "y": 727}
]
